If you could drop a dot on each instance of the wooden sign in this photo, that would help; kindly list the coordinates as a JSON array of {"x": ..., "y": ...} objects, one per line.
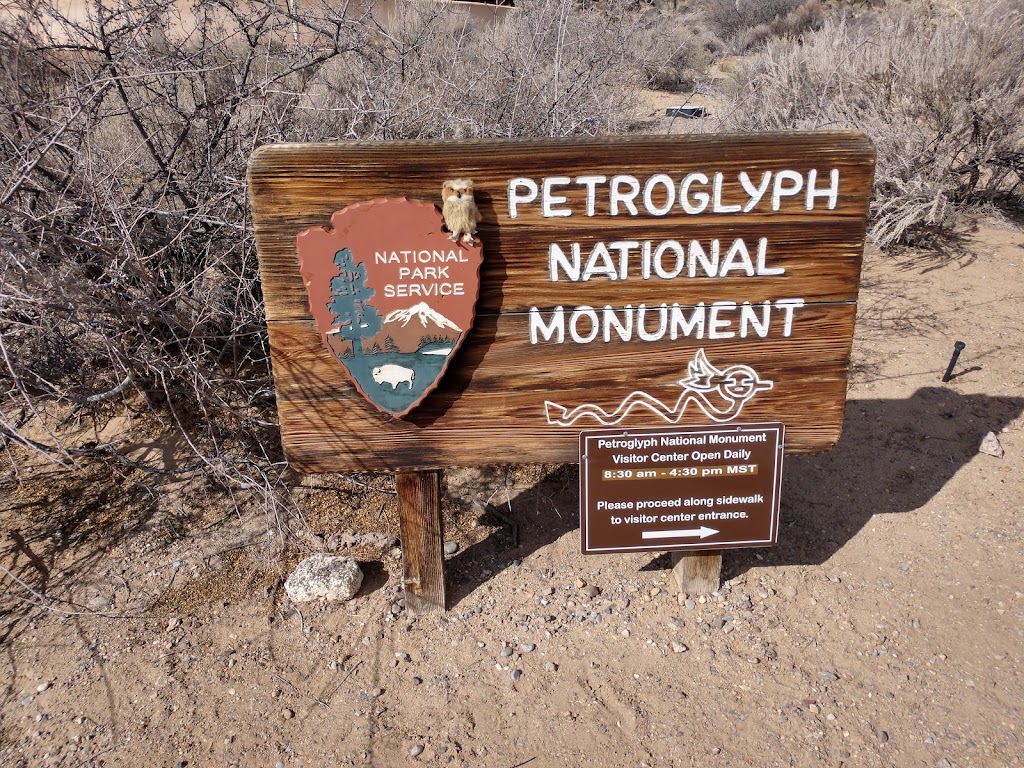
[
  {"x": 677, "y": 489},
  {"x": 640, "y": 282}
]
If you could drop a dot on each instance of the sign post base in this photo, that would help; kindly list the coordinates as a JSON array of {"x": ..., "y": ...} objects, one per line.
[
  {"x": 697, "y": 572},
  {"x": 422, "y": 532}
]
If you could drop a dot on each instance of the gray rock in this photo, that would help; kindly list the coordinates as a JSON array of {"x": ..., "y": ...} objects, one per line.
[
  {"x": 516, "y": 675},
  {"x": 451, "y": 547},
  {"x": 527, "y": 647},
  {"x": 591, "y": 591},
  {"x": 991, "y": 446},
  {"x": 416, "y": 749},
  {"x": 828, "y": 675},
  {"x": 324, "y": 576},
  {"x": 98, "y": 603}
]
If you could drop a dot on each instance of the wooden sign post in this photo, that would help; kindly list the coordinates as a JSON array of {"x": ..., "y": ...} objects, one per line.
[{"x": 625, "y": 282}]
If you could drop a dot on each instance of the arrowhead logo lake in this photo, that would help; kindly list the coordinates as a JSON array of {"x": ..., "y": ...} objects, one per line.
[{"x": 392, "y": 295}]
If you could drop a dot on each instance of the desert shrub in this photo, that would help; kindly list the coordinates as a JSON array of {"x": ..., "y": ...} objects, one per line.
[
  {"x": 128, "y": 276},
  {"x": 679, "y": 50},
  {"x": 940, "y": 97},
  {"x": 806, "y": 16},
  {"x": 729, "y": 18}
]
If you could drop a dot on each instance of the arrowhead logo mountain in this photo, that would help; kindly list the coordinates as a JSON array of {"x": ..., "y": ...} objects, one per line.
[{"x": 392, "y": 296}]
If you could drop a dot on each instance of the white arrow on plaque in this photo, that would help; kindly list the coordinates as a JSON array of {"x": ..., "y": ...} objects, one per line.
[{"x": 703, "y": 532}]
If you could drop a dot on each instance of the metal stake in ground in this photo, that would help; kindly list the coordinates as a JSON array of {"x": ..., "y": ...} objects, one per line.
[{"x": 958, "y": 347}]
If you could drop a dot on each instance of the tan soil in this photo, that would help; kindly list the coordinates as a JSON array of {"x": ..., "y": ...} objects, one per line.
[{"x": 886, "y": 628}]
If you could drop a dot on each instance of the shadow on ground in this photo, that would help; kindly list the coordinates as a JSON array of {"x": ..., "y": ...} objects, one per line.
[{"x": 894, "y": 455}]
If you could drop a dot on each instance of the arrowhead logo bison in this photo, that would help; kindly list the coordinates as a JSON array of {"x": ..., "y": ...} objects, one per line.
[{"x": 392, "y": 295}]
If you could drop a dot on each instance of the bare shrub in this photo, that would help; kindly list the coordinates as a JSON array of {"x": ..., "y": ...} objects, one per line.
[
  {"x": 729, "y": 18},
  {"x": 679, "y": 50},
  {"x": 128, "y": 276},
  {"x": 939, "y": 96},
  {"x": 807, "y": 16}
]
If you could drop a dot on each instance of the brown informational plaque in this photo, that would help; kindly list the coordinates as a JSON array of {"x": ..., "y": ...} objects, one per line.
[
  {"x": 676, "y": 489},
  {"x": 626, "y": 282}
]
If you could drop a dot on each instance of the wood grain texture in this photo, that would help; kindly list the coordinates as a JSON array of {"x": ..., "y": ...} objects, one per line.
[
  {"x": 422, "y": 532},
  {"x": 294, "y": 187},
  {"x": 489, "y": 407},
  {"x": 697, "y": 573}
]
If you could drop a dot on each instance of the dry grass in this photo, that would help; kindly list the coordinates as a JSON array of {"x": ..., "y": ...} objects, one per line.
[{"x": 939, "y": 95}]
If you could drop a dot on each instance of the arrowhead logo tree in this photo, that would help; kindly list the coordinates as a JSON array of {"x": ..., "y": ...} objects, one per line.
[{"x": 392, "y": 296}]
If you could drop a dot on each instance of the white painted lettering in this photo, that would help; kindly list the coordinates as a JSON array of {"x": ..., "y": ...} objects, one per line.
[
  {"x": 718, "y": 206},
  {"x": 515, "y": 197},
  {"x": 782, "y": 189},
  {"x": 626, "y": 197},
  {"x": 669, "y": 194},
  {"x": 591, "y": 182},
  {"x": 549, "y": 199},
  {"x": 687, "y": 200},
  {"x": 557, "y": 258},
  {"x": 755, "y": 193},
  {"x": 553, "y": 330},
  {"x": 831, "y": 191},
  {"x": 591, "y": 316}
]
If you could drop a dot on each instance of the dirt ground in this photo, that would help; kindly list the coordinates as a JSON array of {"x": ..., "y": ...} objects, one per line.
[{"x": 886, "y": 628}]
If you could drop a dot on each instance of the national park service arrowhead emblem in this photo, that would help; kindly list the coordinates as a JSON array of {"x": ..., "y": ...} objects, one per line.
[{"x": 392, "y": 295}]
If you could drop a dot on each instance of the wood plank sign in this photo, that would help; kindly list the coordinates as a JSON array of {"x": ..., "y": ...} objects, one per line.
[
  {"x": 680, "y": 488},
  {"x": 623, "y": 283}
]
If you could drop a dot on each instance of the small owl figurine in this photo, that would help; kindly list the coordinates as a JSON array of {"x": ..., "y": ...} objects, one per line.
[{"x": 460, "y": 212}]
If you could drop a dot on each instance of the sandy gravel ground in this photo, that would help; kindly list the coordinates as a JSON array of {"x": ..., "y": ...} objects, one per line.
[{"x": 885, "y": 629}]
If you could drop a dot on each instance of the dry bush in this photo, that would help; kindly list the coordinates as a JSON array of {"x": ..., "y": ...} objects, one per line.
[
  {"x": 807, "y": 16},
  {"x": 679, "y": 50},
  {"x": 940, "y": 97},
  {"x": 128, "y": 276},
  {"x": 729, "y": 18}
]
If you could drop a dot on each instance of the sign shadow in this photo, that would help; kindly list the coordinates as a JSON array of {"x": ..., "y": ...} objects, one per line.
[{"x": 893, "y": 457}]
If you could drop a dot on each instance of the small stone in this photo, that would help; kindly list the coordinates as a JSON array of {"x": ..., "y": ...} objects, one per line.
[
  {"x": 516, "y": 675},
  {"x": 882, "y": 736},
  {"x": 42, "y": 687},
  {"x": 98, "y": 603},
  {"x": 402, "y": 656},
  {"x": 790, "y": 591},
  {"x": 417, "y": 681},
  {"x": 679, "y": 647},
  {"x": 591, "y": 591},
  {"x": 416, "y": 749},
  {"x": 580, "y": 583},
  {"x": 506, "y": 651},
  {"x": 624, "y": 633},
  {"x": 324, "y": 576},
  {"x": 813, "y": 708},
  {"x": 690, "y": 605},
  {"x": 990, "y": 445},
  {"x": 828, "y": 675},
  {"x": 287, "y": 713},
  {"x": 450, "y": 547},
  {"x": 173, "y": 623},
  {"x": 550, "y": 667},
  {"x": 527, "y": 647}
]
